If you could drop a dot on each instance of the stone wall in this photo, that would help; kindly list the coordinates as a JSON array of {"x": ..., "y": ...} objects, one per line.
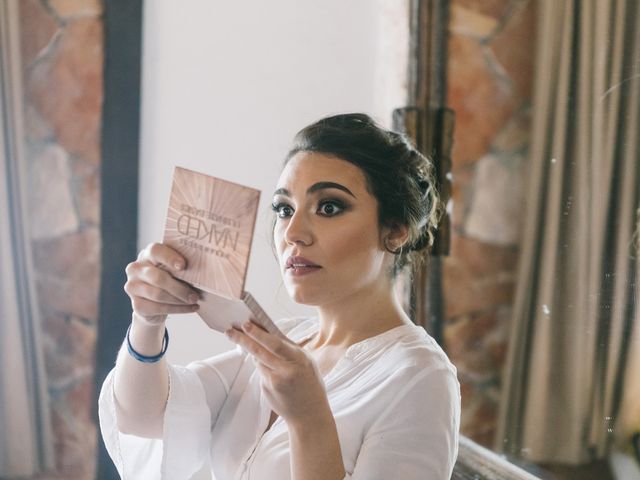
[
  {"x": 490, "y": 73},
  {"x": 62, "y": 50}
]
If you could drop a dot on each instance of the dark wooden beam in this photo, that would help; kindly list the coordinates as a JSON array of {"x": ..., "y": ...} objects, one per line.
[
  {"x": 430, "y": 124},
  {"x": 119, "y": 186}
]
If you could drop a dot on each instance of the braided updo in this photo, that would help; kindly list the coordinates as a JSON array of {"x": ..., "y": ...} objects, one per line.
[{"x": 398, "y": 176}]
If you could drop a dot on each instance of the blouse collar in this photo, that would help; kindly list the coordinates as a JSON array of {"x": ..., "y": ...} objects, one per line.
[{"x": 310, "y": 326}]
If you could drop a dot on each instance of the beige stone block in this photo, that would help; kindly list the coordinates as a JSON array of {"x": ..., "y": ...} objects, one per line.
[
  {"x": 37, "y": 128},
  {"x": 479, "y": 422},
  {"x": 482, "y": 260},
  {"x": 477, "y": 276},
  {"x": 491, "y": 8},
  {"x": 66, "y": 87},
  {"x": 462, "y": 178},
  {"x": 87, "y": 193},
  {"x": 468, "y": 22},
  {"x": 68, "y": 273},
  {"x": 515, "y": 49},
  {"x": 75, "y": 432},
  {"x": 473, "y": 341},
  {"x": 495, "y": 210},
  {"x": 516, "y": 135},
  {"x": 76, "y": 8},
  {"x": 465, "y": 294},
  {"x": 51, "y": 210},
  {"x": 483, "y": 101},
  {"x": 37, "y": 29},
  {"x": 69, "y": 348}
]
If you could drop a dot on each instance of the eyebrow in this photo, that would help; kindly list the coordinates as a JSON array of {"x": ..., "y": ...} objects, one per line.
[{"x": 315, "y": 187}]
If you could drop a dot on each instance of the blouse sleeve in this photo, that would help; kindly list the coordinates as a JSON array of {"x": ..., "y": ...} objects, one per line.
[
  {"x": 416, "y": 437},
  {"x": 196, "y": 394}
]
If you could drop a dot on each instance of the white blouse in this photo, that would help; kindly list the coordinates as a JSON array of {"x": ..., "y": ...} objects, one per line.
[{"x": 395, "y": 398}]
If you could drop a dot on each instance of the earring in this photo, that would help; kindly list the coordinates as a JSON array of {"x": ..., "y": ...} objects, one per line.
[{"x": 395, "y": 250}]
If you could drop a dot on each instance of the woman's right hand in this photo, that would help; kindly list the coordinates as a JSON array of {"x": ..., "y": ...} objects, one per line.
[{"x": 153, "y": 290}]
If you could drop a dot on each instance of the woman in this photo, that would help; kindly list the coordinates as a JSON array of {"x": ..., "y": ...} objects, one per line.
[{"x": 357, "y": 392}]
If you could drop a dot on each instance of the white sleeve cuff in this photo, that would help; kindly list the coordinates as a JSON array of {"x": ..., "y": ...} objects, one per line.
[{"x": 186, "y": 432}]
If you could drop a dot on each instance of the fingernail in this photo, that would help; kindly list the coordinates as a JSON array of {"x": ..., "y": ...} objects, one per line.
[
  {"x": 178, "y": 265},
  {"x": 193, "y": 298},
  {"x": 195, "y": 307},
  {"x": 247, "y": 326}
]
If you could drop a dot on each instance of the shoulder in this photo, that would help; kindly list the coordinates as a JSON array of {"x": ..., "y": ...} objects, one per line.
[
  {"x": 424, "y": 380},
  {"x": 418, "y": 370},
  {"x": 431, "y": 379},
  {"x": 418, "y": 352},
  {"x": 404, "y": 364}
]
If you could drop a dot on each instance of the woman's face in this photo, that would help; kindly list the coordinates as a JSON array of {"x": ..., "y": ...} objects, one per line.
[{"x": 325, "y": 214}]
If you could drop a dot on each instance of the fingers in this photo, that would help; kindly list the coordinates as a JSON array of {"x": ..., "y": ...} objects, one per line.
[
  {"x": 163, "y": 256},
  {"x": 254, "y": 348},
  {"x": 140, "y": 274},
  {"x": 268, "y": 348},
  {"x": 153, "y": 290},
  {"x": 280, "y": 347},
  {"x": 139, "y": 288}
]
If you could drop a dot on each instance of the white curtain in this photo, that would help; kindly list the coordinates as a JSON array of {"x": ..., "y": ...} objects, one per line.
[
  {"x": 575, "y": 310},
  {"x": 26, "y": 446}
]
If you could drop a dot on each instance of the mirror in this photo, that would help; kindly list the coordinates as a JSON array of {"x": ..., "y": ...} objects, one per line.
[{"x": 224, "y": 88}]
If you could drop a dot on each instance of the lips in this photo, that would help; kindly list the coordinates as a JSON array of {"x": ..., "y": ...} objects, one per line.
[{"x": 300, "y": 262}]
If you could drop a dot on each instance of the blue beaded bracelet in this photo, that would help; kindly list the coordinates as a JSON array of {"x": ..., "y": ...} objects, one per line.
[{"x": 145, "y": 358}]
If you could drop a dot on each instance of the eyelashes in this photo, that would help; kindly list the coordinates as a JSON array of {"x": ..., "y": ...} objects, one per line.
[
  {"x": 326, "y": 208},
  {"x": 277, "y": 208}
]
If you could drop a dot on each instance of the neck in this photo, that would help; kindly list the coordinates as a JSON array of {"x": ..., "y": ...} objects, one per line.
[{"x": 368, "y": 312}]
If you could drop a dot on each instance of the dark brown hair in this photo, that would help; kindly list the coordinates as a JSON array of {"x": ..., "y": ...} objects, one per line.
[{"x": 398, "y": 176}]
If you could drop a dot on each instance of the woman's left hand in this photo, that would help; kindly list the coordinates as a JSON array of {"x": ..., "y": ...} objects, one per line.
[{"x": 291, "y": 381}]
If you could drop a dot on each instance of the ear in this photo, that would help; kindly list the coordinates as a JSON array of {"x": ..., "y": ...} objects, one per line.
[{"x": 395, "y": 236}]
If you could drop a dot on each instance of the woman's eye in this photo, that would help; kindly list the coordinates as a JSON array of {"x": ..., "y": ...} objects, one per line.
[
  {"x": 330, "y": 208},
  {"x": 282, "y": 209},
  {"x": 327, "y": 208}
]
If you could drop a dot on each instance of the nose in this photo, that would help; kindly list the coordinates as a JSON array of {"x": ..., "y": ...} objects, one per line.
[{"x": 298, "y": 230}]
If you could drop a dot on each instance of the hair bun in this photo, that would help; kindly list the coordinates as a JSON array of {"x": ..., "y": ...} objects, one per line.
[
  {"x": 423, "y": 241},
  {"x": 424, "y": 186},
  {"x": 358, "y": 120}
]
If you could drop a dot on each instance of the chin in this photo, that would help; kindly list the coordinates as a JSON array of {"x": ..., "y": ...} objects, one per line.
[{"x": 303, "y": 296}]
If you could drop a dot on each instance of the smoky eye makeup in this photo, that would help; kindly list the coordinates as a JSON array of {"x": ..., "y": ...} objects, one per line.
[
  {"x": 279, "y": 207},
  {"x": 332, "y": 204},
  {"x": 326, "y": 206}
]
